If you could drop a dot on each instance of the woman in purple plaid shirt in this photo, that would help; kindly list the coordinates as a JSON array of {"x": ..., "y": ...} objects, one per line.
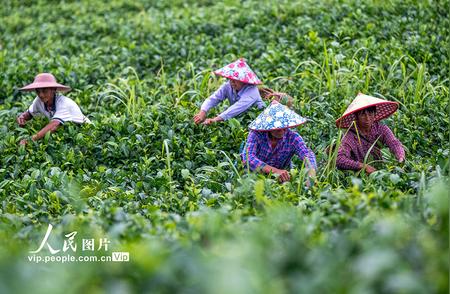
[
  {"x": 271, "y": 144},
  {"x": 365, "y": 133}
]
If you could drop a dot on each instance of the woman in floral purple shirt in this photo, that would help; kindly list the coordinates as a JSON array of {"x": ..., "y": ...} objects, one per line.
[
  {"x": 241, "y": 91},
  {"x": 271, "y": 144},
  {"x": 365, "y": 133}
]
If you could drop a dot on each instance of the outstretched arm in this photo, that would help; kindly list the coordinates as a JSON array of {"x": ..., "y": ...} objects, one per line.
[
  {"x": 249, "y": 153},
  {"x": 308, "y": 157},
  {"x": 396, "y": 147},
  {"x": 52, "y": 126},
  {"x": 211, "y": 102},
  {"x": 237, "y": 108},
  {"x": 250, "y": 157},
  {"x": 304, "y": 153},
  {"x": 345, "y": 162}
]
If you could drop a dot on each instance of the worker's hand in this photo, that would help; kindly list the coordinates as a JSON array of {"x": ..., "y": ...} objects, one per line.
[
  {"x": 199, "y": 117},
  {"x": 283, "y": 175},
  {"x": 369, "y": 169},
  {"x": 21, "y": 120},
  {"x": 23, "y": 142},
  {"x": 311, "y": 178},
  {"x": 209, "y": 121}
]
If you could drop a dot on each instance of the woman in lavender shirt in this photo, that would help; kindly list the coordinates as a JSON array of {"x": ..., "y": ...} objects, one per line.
[{"x": 240, "y": 90}]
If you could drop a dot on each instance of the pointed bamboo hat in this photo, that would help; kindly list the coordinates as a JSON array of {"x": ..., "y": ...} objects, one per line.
[
  {"x": 239, "y": 71},
  {"x": 276, "y": 117},
  {"x": 384, "y": 109}
]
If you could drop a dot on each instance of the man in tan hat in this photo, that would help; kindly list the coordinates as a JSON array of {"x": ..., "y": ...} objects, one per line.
[
  {"x": 58, "y": 108},
  {"x": 365, "y": 133},
  {"x": 271, "y": 144}
]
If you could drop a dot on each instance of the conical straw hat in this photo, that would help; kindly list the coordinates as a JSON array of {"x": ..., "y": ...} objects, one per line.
[
  {"x": 276, "y": 117},
  {"x": 239, "y": 71},
  {"x": 384, "y": 109}
]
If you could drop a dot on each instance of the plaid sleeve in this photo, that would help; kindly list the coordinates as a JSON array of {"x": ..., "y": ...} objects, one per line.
[
  {"x": 344, "y": 160},
  {"x": 388, "y": 138},
  {"x": 248, "y": 155},
  {"x": 303, "y": 152}
]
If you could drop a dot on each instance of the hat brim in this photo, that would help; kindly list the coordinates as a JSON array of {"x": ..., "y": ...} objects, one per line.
[
  {"x": 34, "y": 86},
  {"x": 233, "y": 78},
  {"x": 383, "y": 110},
  {"x": 276, "y": 129}
]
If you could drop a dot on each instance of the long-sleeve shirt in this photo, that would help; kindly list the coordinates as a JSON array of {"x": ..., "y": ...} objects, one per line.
[
  {"x": 258, "y": 151},
  {"x": 353, "y": 151},
  {"x": 239, "y": 102}
]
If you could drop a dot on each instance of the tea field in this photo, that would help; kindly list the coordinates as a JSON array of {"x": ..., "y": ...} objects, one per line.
[{"x": 144, "y": 179}]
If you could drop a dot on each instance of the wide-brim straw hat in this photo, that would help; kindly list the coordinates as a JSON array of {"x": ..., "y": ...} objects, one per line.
[
  {"x": 276, "y": 117},
  {"x": 45, "y": 80},
  {"x": 384, "y": 109},
  {"x": 239, "y": 71}
]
